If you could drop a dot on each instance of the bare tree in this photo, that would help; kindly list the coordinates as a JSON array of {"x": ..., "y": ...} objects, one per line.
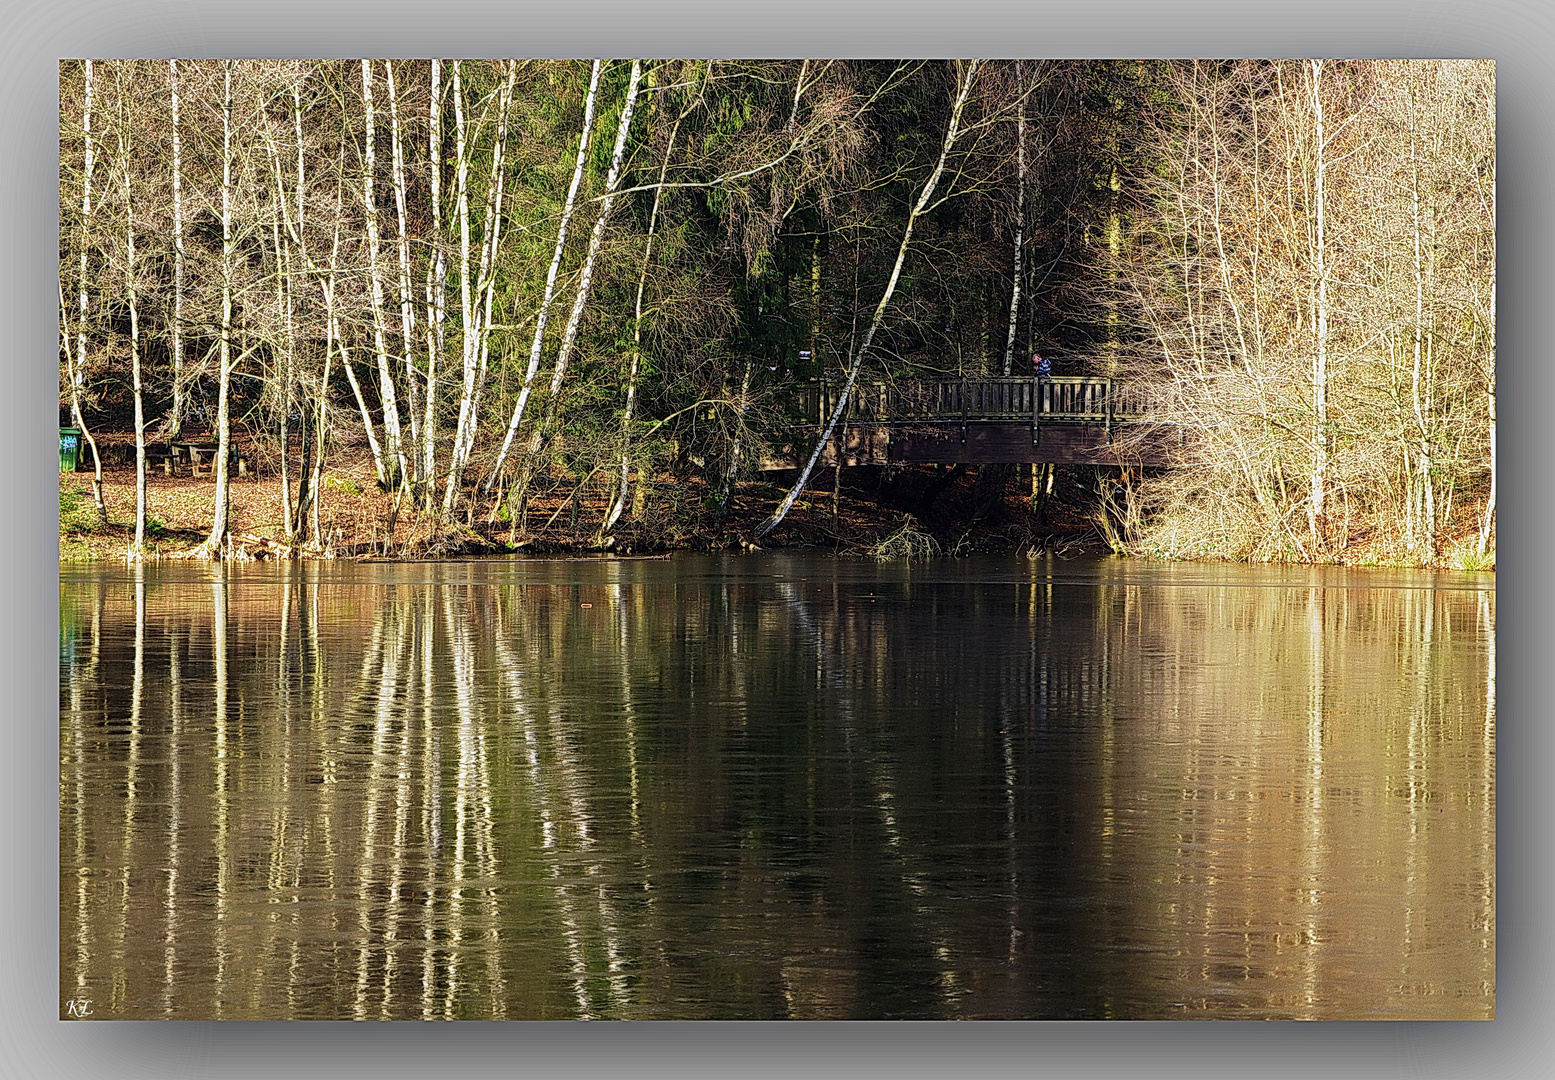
[
  {"x": 543, "y": 313},
  {"x": 218, "y": 535},
  {"x": 76, "y": 373},
  {"x": 968, "y": 73}
]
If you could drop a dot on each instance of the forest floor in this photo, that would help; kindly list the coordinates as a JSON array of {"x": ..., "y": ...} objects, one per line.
[{"x": 875, "y": 513}]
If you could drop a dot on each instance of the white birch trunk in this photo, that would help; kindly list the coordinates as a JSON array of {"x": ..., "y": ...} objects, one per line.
[
  {"x": 307, "y": 488},
  {"x": 618, "y": 505},
  {"x": 391, "y": 413},
  {"x": 1316, "y": 512},
  {"x": 77, "y": 372},
  {"x": 538, "y": 341},
  {"x": 213, "y": 544},
  {"x": 1488, "y": 524},
  {"x": 485, "y": 282},
  {"x": 435, "y": 296},
  {"x": 284, "y": 314},
  {"x": 596, "y": 238},
  {"x": 1020, "y": 217},
  {"x": 1421, "y": 406},
  {"x": 407, "y": 307},
  {"x": 466, "y": 307},
  {"x": 175, "y": 427},
  {"x": 131, "y": 296},
  {"x": 918, "y": 209}
]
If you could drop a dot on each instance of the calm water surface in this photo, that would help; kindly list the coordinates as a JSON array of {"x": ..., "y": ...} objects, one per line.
[{"x": 781, "y": 785}]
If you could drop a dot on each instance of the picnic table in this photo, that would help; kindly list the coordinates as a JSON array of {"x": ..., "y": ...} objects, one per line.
[{"x": 200, "y": 456}]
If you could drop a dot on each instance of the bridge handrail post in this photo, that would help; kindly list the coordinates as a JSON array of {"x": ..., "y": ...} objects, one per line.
[
  {"x": 1036, "y": 406},
  {"x": 963, "y": 410}
]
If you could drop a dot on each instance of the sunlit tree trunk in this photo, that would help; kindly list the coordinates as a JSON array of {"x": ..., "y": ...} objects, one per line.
[
  {"x": 284, "y": 315},
  {"x": 585, "y": 275},
  {"x": 176, "y": 420},
  {"x": 1418, "y": 391},
  {"x": 537, "y": 342},
  {"x": 596, "y": 237},
  {"x": 307, "y": 489},
  {"x": 320, "y": 440},
  {"x": 466, "y": 306},
  {"x": 1317, "y": 511},
  {"x": 77, "y": 373},
  {"x": 618, "y": 504},
  {"x": 1020, "y": 215},
  {"x": 132, "y": 299},
  {"x": 485, "y": 282},
  {"x": 919, "y": 208},
  {"x": 435, "y": 296},
  {"x": 394, "y": 448},
  {"x": 407, "y": 307},
  {"x": 213, "y": 544},
  {"x": 1488, "y": 522}
]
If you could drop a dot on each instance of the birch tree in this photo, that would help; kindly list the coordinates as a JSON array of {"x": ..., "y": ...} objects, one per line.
[
  {"x": 395, "y": 449},
  {"x": 434, "y": 286},
  {"x": 634, "y": 363},
  {"x": 923, "y": 204},
  {"x": 1020, "y": 214},
  {"x": 542, "y": 314},
  {"x": 176, "y": 414},
  {"x": 1317, "y": 511},
  {"x": 475, "y": 292},
  {"x": 76, "y": 373},
  {"x": 125, "y": 73}
]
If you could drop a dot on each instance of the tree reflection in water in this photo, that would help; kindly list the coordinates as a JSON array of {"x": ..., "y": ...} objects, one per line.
[{"x": 783, "y": 785}]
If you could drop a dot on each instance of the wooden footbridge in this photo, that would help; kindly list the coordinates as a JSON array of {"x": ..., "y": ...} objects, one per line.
[{"x": 1067, "y": 420}]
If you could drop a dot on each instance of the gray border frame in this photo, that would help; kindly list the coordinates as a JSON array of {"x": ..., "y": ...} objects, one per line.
[{"x": 1519, "y": 35}]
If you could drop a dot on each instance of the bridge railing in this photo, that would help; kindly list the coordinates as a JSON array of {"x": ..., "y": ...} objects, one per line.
[{"x": 1062, "y": 397}]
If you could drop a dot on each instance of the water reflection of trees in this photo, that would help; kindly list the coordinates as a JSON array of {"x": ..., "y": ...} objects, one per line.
[{"x": 466, "y": 790}]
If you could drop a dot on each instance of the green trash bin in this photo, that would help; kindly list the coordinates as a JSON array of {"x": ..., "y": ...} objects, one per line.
[{"x": 69, "y": 448}]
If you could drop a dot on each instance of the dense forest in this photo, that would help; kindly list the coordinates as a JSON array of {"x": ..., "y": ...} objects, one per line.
[{"x": 485, "y": 275}]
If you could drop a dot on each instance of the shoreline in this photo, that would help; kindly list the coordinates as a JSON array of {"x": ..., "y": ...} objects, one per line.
[{"x": 677, "y": 516}]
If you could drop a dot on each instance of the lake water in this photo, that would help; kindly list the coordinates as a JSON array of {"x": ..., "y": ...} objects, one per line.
[{"x": 776, "y": 785}]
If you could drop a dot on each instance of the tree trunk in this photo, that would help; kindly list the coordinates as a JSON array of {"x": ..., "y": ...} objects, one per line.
[
  {"x": 1316, "y": 513},
  {"x": 407, "y": 308},
  {"x": 218, "y": 536},
  {"x": 466, "y": 306},
  {"x": 435, "y": 296},
  {"x": 175, "y": 423},
  {"x": 1020, "y": 217},
  {"x": 1488, "y": 523},
  {"x": 918, "y": 210},
  {"x": 586, "y": 274},
  {"x": 132, "y": 299},
  {"x": 543, "y": 314},
  {"x": 77, "y": 372},
  {"x": 618, "y": 504},
  {"x": 394, "y": 448},
  {"x": 486, "y": 275}
]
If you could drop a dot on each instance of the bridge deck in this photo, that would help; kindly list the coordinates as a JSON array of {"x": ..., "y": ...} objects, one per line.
[{"x": 1064, "y": 420}]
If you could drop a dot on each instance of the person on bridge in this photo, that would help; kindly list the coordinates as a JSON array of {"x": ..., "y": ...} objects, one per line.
[{"x": 1040, "y": 367}]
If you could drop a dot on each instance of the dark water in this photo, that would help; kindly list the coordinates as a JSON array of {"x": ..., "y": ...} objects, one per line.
[{"x": 776, "y": 786}]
